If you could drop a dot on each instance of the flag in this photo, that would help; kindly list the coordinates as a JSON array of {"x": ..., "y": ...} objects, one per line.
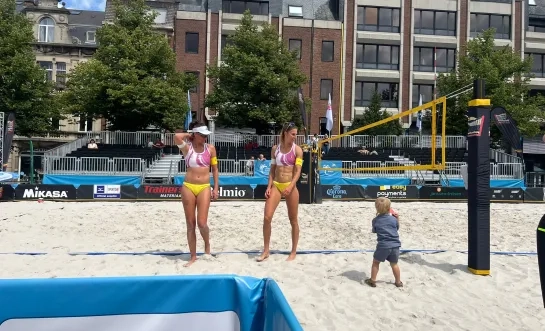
[
  {"x": 302, "y": 109},
  {"x": 419, "y": 116},
  {"x": 8, "y": 138},
  {"x": 188, "y": 116},
  {"x": 329, "y": 116},
  {"x": 508, "y": 127}
]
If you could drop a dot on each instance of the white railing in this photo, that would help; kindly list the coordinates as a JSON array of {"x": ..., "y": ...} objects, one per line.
[
  {"x": 60, "y": 165},
  {"x": 115, "y": 166},
  {"x": 502, "y": 157}
]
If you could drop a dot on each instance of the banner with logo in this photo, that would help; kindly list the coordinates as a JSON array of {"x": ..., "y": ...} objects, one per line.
[
  {"x": 442, "y": 193},
  {"x": 507, "y": 194},
  {"x": 160, "y": 192},
  {"x": 331, "y": 174},
  {"x": 392, "y": 192},
  {"x": 7, "y": 193},
  {"x": 534, "y": 194},
  {"x": 343, "y": 192},
  {"x": 45, "y": 192},
  {"x": 508, "y": 127},
  {"x": 106, "y": 192},
  {"x": 236, "y": 192},
  {"x": 262, "y": 168}
]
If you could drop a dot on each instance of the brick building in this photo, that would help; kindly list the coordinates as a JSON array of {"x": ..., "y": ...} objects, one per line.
[{"x": 350, "y": 48}]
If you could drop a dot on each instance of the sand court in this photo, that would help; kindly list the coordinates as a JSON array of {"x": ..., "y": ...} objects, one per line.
[{"x": 324, "y": 290}]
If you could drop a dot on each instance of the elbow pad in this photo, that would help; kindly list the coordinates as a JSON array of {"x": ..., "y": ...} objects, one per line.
[{"x": 273, "y": 161}]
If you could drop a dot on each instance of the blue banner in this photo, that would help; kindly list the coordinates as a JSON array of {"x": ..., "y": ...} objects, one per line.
[
  {"x": 231, "y": 180},
  {"x": 328, "y": 174},
  {"x": 262, "y": 168},
  {"x": 90, "y": 180},
  {"x": 129, "y": 303},
  {"x": 496, "y": 183}
]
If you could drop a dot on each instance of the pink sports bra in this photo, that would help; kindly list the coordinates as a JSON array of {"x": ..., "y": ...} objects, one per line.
[
  {"x": 287, "y": 159},
  {"x": 197, "y": 160}
]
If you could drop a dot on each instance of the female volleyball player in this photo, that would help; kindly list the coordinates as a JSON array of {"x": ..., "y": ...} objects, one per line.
[
  {"x": 286, "y": 163},
  {"x": 199, "y": 157}
]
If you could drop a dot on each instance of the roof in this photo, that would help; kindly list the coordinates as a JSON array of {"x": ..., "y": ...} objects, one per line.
[{"x": 537, "y": 10}]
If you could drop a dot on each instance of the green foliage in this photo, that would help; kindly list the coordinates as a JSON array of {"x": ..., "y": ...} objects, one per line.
[
  {"x": 131, "y": 80},
  {"x": 255, "y": 84},
  {"x": 506, "y": 77},
  {"x": 23, "y": 87},
  {"x": 375, "y": 113}
]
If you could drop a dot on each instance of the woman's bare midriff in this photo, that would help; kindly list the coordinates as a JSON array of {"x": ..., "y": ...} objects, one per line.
[
  {"x": 197, "y": 175},
  {"x": 283, "y": 174}
]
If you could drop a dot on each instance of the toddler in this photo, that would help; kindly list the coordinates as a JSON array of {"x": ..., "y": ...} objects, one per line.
[{"x": 386, "y": 226}]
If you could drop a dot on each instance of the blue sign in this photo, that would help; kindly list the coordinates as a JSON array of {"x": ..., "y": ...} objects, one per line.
[
  {"x": 331, "y": 174},
  {"x": 262, "y": 168}
]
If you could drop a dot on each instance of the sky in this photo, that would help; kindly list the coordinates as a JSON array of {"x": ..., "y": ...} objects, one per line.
[{"x": 86, "y": 4}]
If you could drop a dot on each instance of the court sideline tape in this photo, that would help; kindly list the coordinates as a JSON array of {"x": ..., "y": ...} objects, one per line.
[{"x": 304, "y": 252}]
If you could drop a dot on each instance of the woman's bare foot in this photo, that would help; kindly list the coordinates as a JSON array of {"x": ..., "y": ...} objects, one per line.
[
  {"x": 190, "y": 262},
  {"x": 291, "y": 257},
  {"x": 263, "y": 257},
  {"x": 207, "y": 249}
]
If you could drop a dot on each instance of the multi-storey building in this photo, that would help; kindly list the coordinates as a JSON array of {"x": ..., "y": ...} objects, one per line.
[{"x": 350, "y": 48}]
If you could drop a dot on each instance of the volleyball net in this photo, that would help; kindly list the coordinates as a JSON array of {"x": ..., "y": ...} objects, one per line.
[{"x": 436, "y": 162}]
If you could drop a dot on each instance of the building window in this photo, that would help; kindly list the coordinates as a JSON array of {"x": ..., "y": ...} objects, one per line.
[
  {"x": 55, "y": 123},
  {"x": 239, "y": 7},
  {"x": 323, "y": 126},
  {"x": 60, "y": 75},
  {"x": 47, "y": 30},
  {"x": 536, "y": 27},
  {"x": 328, "y": 51},
  {"x": 192, "y": 42},
  {"x": 224, "y": 42},
  {"x": 380, "y": 19},
  {"x": 295, "y": 46},
  {"x": 364, "y": 92},
  {"x": 48, "y": 67},
  {"x": 384, "y": 57},
  {"x": 91, "y": 37},
  {"x": 161, "y": 17},
  {"x": 195, "y": 88},
  {"x": 85, "y": 124},
  {"x": 482, "y": 22},
  {"x": 537, "y": 64},
  {"x": 425, "y": 90},
  {"x": 326, "y": 89},
  {"x": 295, "y": 11},
  {"x": 431, "y": 22},
  {"x": 423, "y": 59}
]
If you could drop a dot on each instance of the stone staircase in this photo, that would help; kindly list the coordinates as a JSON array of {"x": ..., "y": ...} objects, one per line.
[{"x": 160, "y": 170}]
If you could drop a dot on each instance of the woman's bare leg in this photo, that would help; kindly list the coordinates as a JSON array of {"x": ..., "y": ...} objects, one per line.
[
  {"x": 203, "y": 204},
  {"x": 292, "y": 201},
  {"x": 270, "y": 207},
  {"x": 189, "y": 202}
]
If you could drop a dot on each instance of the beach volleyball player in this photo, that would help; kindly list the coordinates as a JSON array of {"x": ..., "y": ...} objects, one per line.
[
  {"x": 286, "y": 163},
  {"x": 196, "y": 194}
]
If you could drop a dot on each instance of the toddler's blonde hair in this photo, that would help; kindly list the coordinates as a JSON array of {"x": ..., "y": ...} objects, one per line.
[{"x": 382, "y": 205}]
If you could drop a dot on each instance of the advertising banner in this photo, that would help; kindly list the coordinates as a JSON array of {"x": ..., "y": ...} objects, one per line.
[
  {"x": 343, "y": 192},
  {"x": 262, "y": 168},
  {"x": 236, "y": 192},
  {"x": 45, "y": 192},
  {"x": 160, "y": 192},
  {"x": 507, "y": 194},
  {"x": 392, "y": 192},
  {"x": 7, "y": 193},
  {"x": 534, "y": 194},
  {"x": 442, "y": 193},
  {"x": 107, "y": 192},
  {"x": 330, "y": 174}
]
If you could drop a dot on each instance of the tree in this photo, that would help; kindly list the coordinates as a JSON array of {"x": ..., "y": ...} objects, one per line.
[
  {"x": 131, "y": 81},
  {"x": 256, "y": 83},
  {"x": 506, "y": 76},
  {"x": 24, "y": 89},
  {"x": 375, "y": 113}
]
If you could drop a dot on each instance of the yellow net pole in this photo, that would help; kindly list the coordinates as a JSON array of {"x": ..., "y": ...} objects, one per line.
[
  {"x": 433, "y": 132},
  {"x": 444, "y": 137}
]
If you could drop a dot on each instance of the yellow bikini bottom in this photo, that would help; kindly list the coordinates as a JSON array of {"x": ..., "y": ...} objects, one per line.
[
  {"x": 196, "y": 188},
  {"x": 281, "y": 186}
]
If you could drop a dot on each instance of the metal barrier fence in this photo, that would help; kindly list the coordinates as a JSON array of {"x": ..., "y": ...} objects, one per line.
[
  {"x": 535, "y": 179},
  {"x": 233, "y": 140},
  {"x": 115, "y": 166},
  {"x": 502, "y": 157},
  {"x": 59, "y": 165}
]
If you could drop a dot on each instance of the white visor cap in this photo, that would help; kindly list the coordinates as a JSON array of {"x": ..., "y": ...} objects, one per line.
[{"x": 201, "y": 130}]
